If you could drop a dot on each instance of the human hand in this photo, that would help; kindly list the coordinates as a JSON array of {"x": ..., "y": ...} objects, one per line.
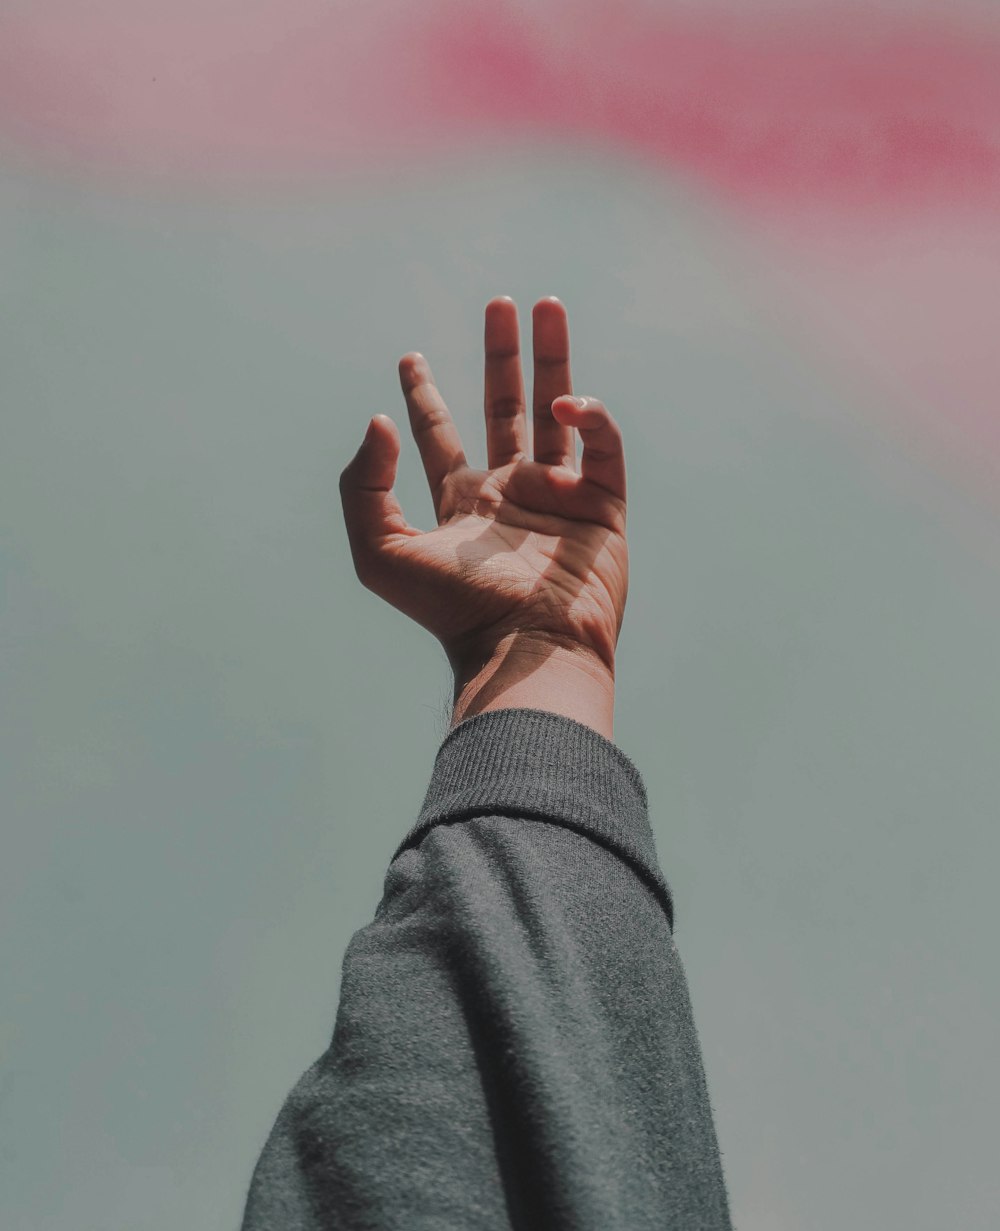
[{"x": 527, "y": 549}]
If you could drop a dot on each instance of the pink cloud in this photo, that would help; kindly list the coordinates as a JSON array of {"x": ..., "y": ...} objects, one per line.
[
  {"x": 861, "y": 147},
  {"x": 809, "y": 103}
]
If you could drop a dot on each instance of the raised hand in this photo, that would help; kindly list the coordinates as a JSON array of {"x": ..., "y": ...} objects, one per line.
[{"x": 526, "y": 551}]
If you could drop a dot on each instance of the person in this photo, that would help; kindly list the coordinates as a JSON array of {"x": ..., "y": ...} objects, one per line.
[{"x": 514, "y": 1044}]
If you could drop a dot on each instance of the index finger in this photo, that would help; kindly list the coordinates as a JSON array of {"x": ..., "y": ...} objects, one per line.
[{"x": 431, "y": 424}]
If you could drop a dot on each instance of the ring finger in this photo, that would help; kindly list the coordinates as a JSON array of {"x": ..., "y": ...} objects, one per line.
[{"x": 555, "y": 443}]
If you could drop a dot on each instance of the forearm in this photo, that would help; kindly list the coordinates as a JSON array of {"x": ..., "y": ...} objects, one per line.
[
  {"x": 514, "y": 1030},
  {"x": 524, "y": 674}
]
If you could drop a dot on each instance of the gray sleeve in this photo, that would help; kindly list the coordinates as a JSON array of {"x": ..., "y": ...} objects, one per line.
[{"x": 514, "y": 1044}]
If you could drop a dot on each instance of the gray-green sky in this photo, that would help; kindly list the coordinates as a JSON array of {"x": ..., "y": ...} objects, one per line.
[{"x": 213, "y": 737}]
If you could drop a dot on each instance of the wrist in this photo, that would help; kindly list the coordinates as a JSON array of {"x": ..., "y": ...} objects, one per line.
[{"x": 541, "y": 673}]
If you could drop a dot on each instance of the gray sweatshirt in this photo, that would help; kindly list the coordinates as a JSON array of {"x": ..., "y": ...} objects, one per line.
[{"x": 514, "y": 1044}]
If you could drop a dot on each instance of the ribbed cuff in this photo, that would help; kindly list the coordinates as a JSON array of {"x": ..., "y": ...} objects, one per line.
[{"x": 538, "y": 764}]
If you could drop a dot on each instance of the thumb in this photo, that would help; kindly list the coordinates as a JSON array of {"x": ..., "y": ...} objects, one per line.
[{"x": 371, "y": 511}]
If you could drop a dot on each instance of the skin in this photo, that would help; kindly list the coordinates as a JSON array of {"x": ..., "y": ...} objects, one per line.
[{"x": 525, "y": 578}]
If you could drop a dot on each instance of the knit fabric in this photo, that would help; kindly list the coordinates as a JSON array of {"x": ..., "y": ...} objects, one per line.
[{"x": 514, "y": 1045}]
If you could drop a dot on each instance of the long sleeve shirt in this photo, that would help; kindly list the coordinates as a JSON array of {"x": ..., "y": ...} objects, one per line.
[{"x": 514, "y": 1045}]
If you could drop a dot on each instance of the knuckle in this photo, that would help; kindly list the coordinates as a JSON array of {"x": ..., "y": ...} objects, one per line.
[
  {"x": 428, "y": 420},
  {"x": 506, "y": 407}
]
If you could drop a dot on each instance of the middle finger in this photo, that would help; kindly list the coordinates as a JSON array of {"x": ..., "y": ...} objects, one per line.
[{"x": 506, "y": 427}]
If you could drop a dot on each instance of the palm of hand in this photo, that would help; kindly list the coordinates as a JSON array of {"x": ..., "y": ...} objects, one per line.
[{"x": 527, "y": 548}]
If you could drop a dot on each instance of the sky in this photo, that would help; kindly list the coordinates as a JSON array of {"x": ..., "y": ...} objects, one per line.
[{"x": 774, "y": 229}]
